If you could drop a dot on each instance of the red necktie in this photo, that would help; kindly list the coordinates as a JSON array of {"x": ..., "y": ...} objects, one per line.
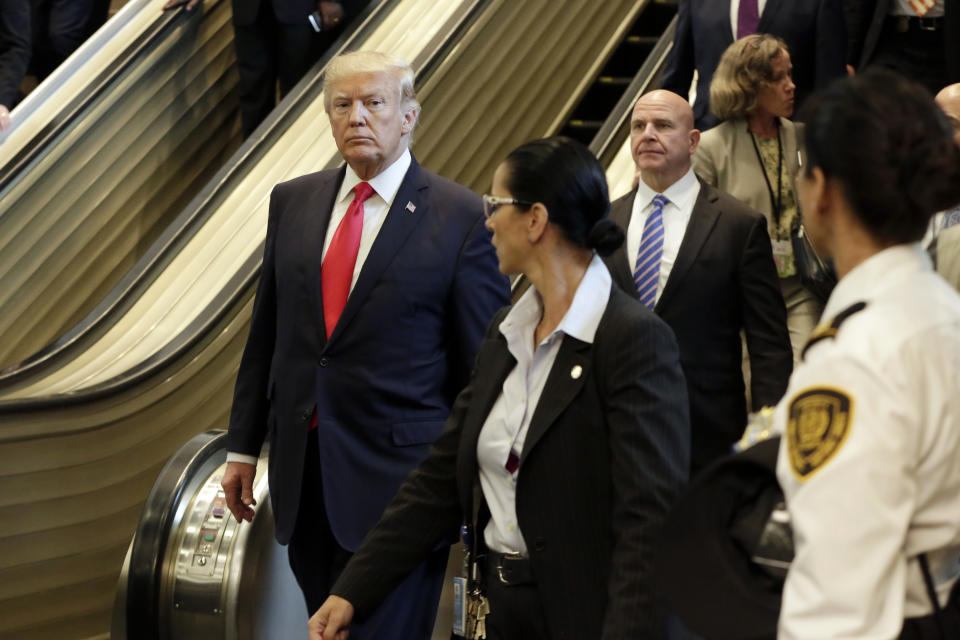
[{"x": 336, "y": 273}]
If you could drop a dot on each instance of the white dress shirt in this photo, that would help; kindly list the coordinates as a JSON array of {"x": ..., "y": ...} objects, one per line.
[
  {"x": 870, "y": 460},
  {"x": 682, "y": 195},
  {"x": 509, "y": 418},
  {"x": 735, "y": 12},
  {"x": 385, "y": 186}
]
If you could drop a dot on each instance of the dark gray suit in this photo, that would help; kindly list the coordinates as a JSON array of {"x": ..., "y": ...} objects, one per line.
[
  {"x": 724, "y": 280},
  {"x": 14, "y": 48},
  {"x": 605, "y": 455}
]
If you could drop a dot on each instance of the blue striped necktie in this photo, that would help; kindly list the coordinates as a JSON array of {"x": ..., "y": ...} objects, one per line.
[{"x": 646, "y": 272}]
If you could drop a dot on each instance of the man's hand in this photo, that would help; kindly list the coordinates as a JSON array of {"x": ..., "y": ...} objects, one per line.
[
  {"x": 332, "y": 14},
  {"x": 332, "y": 620},
  {"x": 237, "y": 486},
  {"x": 5, "y": 121},
  {"x": 173, "y": 4}
]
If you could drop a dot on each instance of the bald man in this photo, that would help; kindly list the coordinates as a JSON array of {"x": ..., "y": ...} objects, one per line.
[
  {"x": 946, "y": 246},
  {"x": 702, "y": 260}
]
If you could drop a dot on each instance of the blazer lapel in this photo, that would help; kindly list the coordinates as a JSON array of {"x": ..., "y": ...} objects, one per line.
[
  {"x": 702, "y": 220},
  {"x": 570, "y": 370},
  {"x": 620, "y": 264},
  {"x": 400, "y": 221},
  {"x": 314, "y": 234},
  {"x": 496, "y": 362}
]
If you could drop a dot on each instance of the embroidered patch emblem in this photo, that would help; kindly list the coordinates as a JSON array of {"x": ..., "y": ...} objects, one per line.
[{"x": 818, "y": 423}]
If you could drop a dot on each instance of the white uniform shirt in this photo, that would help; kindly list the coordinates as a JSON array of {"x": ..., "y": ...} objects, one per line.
[
  {"x": 870, "y": 457},
  {"x": 509, "y": 418},
  {"x": 385, "y": 186},
  {"x": 682, "y": 195}
]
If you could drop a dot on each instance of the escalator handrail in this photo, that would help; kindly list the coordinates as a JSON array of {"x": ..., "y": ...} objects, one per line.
[
  {"x": 178, "y": 234},
  {"x": 616, "y": 126},
  {"x": 152, "y": 534},
  {"x": 72, "y": 109}
]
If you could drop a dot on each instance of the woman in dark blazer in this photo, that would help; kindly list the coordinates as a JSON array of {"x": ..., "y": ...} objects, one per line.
[{"x": 574, "y": 427}]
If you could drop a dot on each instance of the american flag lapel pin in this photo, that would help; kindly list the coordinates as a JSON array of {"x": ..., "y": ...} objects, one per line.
[{"x": 411, "y": 207}]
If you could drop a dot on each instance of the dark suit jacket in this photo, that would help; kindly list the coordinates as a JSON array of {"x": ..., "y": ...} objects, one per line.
[
  {"x": 865, "y": 22},
  {"x": 813, "y": 30},
  {"x": 14, "y": 48},
  {"x": 724, "y": 280},
  {"x": 604, "y": 458},
  {"x": 385, "y": 381}
]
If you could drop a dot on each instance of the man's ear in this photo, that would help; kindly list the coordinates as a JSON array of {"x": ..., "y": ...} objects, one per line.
[
  {"x": 409, "y": 119},
  {"x": 694, "y": 140}
]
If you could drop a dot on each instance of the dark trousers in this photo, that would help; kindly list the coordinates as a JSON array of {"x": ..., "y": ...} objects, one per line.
[
  {"x": 516, "y": 612},
  {"x": 316, "y": 558},
  {"x": 916, "y": 53},
  {"x": 59, "y": 27},
  {"x": 270, "y": 53}
]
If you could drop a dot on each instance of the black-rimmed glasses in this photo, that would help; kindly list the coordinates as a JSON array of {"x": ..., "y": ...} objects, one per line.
[{"x": 490, "y": 204}]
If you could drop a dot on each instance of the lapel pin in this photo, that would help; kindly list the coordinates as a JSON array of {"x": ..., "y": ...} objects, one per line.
[
  {"x": 576, "y": 372},
  {"x": 411, "y": 207}
]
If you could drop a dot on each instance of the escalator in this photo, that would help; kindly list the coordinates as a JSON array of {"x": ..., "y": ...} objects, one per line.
[{"x": 87, "y": 426}]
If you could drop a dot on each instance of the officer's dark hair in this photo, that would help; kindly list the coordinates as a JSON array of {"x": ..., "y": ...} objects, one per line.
[
  {"x": 883, "y": 138},
  {"x": 567, "y": 178}
]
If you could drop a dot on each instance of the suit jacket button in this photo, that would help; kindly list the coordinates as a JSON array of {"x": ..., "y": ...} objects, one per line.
[
  {"x": 305, "y": 415},
  {"x": 539, "y": 544},
  {"x": 324, "y": 361}
]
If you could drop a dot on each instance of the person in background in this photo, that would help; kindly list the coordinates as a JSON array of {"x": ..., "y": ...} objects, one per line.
[
  {"x": 917, "y": 38},
  {"x": 752, "y": 156},
  {"x": 59, "y": 27},
  {"x": 702, "y": 261},
  {"x": 277, "y": 42},
  {"x": 814, "y": 31},
  {"x": 14, "y": 54},
  {"x": 868, "y": 460},
  {"x": 574, "y": 426},
  {"x": 944, "y": 246},
  {"x": 378, "y": 279}
]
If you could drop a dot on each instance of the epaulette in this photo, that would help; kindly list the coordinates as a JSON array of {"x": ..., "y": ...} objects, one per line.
[{"x": 830, "y": 331}]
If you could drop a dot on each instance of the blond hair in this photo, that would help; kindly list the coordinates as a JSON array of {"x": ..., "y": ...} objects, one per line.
[
  {"x": 355, "y": 62},
  {"x": 745, "y": 68}
]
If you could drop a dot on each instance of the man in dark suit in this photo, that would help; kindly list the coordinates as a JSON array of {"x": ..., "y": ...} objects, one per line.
[
  {"x": 378, "y": 280},
  {"x": 277, "y": 42},
  {"x": 14, "y": 53},
  {"x": 714, "y": 276},
  {"x": 893, "y": 34},
  {"x": 813, "y": 30}
]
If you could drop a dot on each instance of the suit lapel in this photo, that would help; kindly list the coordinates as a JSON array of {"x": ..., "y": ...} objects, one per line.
[
  {"x": 566, "y": 378},
  {"x": 769, "y": 15},
  {"x": 321, "y": 203},
  {"x": 620, "y": 264},
  {"x": 702, "y": 220},
  {"x": 496, "y": 362},
  {"x": 398, "y": 224}
]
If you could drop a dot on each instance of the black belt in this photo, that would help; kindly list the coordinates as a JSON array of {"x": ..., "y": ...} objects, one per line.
[
  {"x": 903, "y": 24},
  {"x": 510, "y": 569}
]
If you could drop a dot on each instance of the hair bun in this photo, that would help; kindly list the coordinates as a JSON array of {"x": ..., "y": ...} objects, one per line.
[{"x": 605, "y": 236}]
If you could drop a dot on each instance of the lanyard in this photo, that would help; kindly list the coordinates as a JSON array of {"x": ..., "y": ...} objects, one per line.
[{"x": 777, "y": 201}]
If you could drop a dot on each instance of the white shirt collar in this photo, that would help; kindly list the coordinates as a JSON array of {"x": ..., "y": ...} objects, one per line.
[
  {"x": 875, "y": 274},
  {"x": 385, "y": 184},
  {"x": 680, "y": 193},
  {"x": 581, "y": 319}
]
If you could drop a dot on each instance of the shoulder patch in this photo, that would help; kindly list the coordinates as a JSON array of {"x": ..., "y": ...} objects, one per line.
[{"x": 817, "y": 425}]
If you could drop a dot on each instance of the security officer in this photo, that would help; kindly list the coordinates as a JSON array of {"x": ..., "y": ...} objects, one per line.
[{"x": 870, "y": 455}]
